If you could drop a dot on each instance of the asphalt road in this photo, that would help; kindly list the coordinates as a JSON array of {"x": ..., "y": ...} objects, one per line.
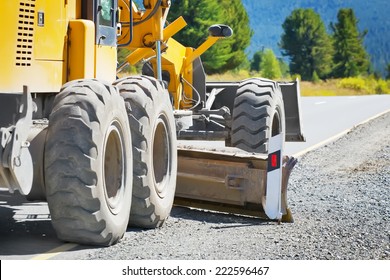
[
  {"x": 25, "y": 229},
  {"x": 326, "y": 118}
]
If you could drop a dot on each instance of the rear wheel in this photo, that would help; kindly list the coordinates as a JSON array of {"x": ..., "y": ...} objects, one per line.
[
  {"x": 258, "y": 114},
  {"x": 154, "y": 149},
  {"x": 88, "y": 166}
]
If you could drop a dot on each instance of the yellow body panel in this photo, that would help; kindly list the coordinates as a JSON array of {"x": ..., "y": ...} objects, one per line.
[
  {"x": 188, "y": 81},
  {"x": 19, "y": 47},
  {"x": 106, "y": 58},
  {"x": 172, "y": 62},
  {"x": 82, "y": 50},
  {"x": 152, "y": 28},
  {"x": 50, "y": 36},
  {"x": 74, "y": 9},
  {"x": 45, "y": 44}
]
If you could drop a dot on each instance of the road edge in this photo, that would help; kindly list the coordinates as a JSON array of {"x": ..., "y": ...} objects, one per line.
[{"x": 338, "y": 135}]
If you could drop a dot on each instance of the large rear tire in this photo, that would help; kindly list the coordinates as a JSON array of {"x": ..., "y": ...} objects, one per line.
[
  {"x": 154, "y": 150},
  {"x": 258, "y": 114},
  {"x": 88, "y": 164}
]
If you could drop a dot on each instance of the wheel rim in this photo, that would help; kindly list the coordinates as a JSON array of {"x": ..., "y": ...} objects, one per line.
[
  {"x": 276, "y": 124},
  {"x": 114, "y": 167},
  {"x": 161, "y": 156}
]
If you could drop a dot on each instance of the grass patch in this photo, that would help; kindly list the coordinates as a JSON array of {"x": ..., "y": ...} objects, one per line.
[
  {"x": 328, "y": 88},
  {"x": 232, "y": 76},
  {"x": 332, "y": 87},
  {"x": 366, "y": 85}
]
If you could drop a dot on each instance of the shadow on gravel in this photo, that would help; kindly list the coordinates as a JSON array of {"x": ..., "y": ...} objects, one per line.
[{"x": 224, "y": 220}]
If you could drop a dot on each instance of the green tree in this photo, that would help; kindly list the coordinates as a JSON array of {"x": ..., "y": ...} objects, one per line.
[
  {"x": 307, "y": 43},
  {"x": 284, "y": 67},
  {"x": 269, "y": 66},
  {"x": 350, "y": 58},
  {"x": 256, "y": 61},
  {"x": 227, "y": 54},
  {"x": 236, "y": 16},
  {"x": 388, "y": 72}
]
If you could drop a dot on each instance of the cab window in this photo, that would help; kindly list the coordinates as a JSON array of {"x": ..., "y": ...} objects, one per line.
[
  {"x": 106, "y": 13},
  {"x": 106, "y": 22}
]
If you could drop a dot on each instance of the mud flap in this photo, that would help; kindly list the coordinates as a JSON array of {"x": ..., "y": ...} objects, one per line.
[{"x": 272, "y": 201}]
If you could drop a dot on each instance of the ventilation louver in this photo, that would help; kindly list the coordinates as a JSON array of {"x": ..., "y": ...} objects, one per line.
[{"x": 24, "y": 44}]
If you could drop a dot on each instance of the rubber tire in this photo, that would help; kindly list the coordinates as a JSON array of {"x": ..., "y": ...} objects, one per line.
[
  {"x": 258, "y": 114},
  {"x": 154, "y": 180},
  {"x": 88, "y": 189}
]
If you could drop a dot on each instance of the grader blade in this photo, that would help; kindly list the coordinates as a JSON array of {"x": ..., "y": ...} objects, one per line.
[{"x": 233, "y": 181}]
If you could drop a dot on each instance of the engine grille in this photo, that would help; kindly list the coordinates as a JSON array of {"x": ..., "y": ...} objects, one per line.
[{"x": 25, "y": 37}]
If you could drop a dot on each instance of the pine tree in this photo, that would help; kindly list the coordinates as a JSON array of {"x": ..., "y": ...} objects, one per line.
[
  {"x": 226, "y": 54},
  {"x": 256, "y": 61},
  {"x": 307, "y": 43},
  {"x": 235, "y": 15},
  {"x": 351, "y": 58}
]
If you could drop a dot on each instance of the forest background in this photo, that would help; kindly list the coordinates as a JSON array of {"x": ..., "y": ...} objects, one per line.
[{"x": 259, "y": 28}]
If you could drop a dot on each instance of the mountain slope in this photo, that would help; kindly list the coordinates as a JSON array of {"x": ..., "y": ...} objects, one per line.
[{"x": 267, "y": 17}]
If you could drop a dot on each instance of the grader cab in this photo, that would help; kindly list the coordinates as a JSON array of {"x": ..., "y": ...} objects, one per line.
[{"x": 106, "y": 152}]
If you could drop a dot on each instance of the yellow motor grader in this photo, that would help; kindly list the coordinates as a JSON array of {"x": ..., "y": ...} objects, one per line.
[{"x": 106, "y": 152}]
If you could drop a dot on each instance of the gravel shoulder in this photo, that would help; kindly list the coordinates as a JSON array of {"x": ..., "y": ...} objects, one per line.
[{"x": 340, "y": 198}]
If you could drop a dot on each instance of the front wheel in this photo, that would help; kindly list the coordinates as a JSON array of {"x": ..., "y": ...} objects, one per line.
[
  {"x": 154, "y": 149},
  {"x": 88, "y": 166},
  {"x": 258, "y": 114}
]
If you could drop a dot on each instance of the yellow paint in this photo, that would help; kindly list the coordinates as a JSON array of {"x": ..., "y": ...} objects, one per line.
[
  {"x": 201, "y": 49},
  {"x": 81, "y": 63},
  {"x": 153, "y": 28},
  {"x": 174, "y": 28},
  {"x": 44, "y": 44},
  {"x": 172, "y": 62},
  {"x": 54, "y": 252},
  {"x": 187, "y": 74},
  {"x": 139, "y": 54},
  {"x": 105, "y": 61},
  {"x": 31, "y": 54},
  {"x": 74, "y": 9},
  {"x": 50, "y": 38}
]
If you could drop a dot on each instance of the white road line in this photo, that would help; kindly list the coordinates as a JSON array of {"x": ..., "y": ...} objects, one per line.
[{"x": 320, "y": 102}]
